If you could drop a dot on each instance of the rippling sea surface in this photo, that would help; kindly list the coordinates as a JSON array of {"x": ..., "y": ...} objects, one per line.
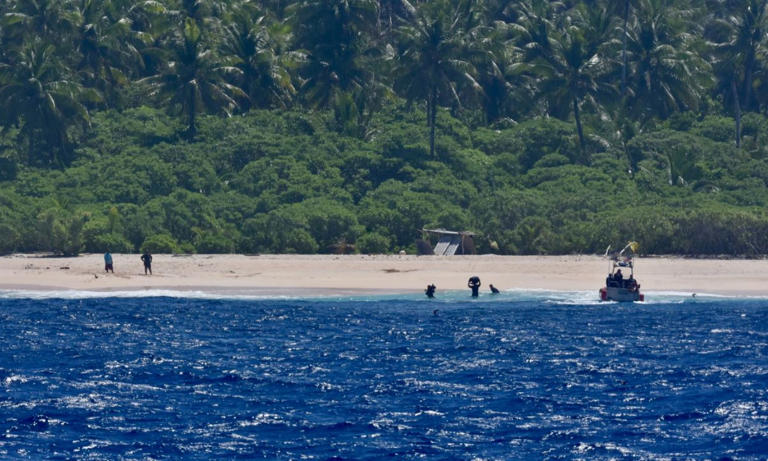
[{"x": 517, "y": 376}]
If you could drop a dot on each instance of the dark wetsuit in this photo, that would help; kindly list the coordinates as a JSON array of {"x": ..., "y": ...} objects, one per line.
[
  {"x": 494, "y": 290},
  {"x": 430, "y": 291},
  {"x": 147, "y": 258},
  {"x": 474, "y": 284}
]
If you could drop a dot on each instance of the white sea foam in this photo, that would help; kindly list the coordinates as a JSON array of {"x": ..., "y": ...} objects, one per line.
[
  {"x": 14, "y": 379},
  {"x": 582, "y": 298},
  {"x": 263, "y": 418},
  {"x": 155, "y": 293}
]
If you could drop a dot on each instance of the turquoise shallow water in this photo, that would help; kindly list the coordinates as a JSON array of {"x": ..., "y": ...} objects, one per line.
[{"x": 525, "y": 375}]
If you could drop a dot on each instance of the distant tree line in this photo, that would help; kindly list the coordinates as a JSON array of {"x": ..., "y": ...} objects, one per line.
[
  {"x": 341, "y": 125},
  {"x": 630, "y": 62}
]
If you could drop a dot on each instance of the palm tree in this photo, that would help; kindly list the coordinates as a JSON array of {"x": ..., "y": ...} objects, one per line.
[
  {"x": 333, "y": 33},
  {"x": 739, "y": 36},
  {"x": 489, "y": 47},
  {"x": 667, "y": 73},
  {"x": 499, "y": 11},
  {"x": 431, "y": 64},
  {"x": 208, "y": 14},
  {"x": 153, "y": 25},
  {"x": 567, "y": 62},
  {"x": 623, "y": 9},
  {"x": 194, "y": 81},
  {"x": 39, "y": 96},
  {"x": 760, "y": 81},
  {"x": 259, "y": 48},
  {"x": 533, "y": 23},
  {"x": 492, "y": 71},
  {"x": 107, "y": 54},
  {"x": 149, "y": 18},
  {"x": 390, "y": 13},
  {"x": 51, "y": 20},
  {"x": 276, "y": 8}
]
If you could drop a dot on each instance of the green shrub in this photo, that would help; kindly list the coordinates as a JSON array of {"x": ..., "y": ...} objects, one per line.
[
  {"x": 8, "y": 168},
  {"x": 114, "y": 243},
  {"x": 60, "y": 231},
  {"x": 551, "y": 160},
  {"x": 160, "y": 243},
  {"x": 372, "y": 243},
  {"x": 214, "y": 243},
  {"x": 722, "y": 129},
  {"x": 187, "y": 248},
  {"x": 281, "y": 181},
  {"x": 9, "y": 239},
  {"x": 328, "y": 222},
  {"x": 301, "y": 242}
]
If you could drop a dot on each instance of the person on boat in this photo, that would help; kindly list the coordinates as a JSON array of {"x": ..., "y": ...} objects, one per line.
[
  {"x": 631, "y": 283},
  {"x": 430, "y": 291},
  {"x": 494, "y": 290},
  {"x": 474, "y": 284},
  {"x": 618, "y": 276},
  {"x": 108, "y": 262},
  {"x": 147, "y": 259}
]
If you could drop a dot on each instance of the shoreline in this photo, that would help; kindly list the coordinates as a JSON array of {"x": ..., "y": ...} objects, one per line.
[{"x": 332, "y": 275}]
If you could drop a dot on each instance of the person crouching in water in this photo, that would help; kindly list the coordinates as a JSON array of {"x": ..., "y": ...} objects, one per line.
[
  {"x": 147, "y": 258},
  {"x": 430, "y": 291},
  {"x": 474, "y": 284}
]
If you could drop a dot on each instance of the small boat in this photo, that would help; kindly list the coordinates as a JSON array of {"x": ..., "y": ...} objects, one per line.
[{"x": 617, "y": 286}]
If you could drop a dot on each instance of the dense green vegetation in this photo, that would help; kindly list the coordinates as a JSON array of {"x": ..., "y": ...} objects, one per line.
[{"x": 349, "y": 125}]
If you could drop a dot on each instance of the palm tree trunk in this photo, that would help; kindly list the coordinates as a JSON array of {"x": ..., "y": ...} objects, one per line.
[
  {"x": 579, "y": 128},
  {"x": 624, "y": 50},
  {"x": 432, "y": 115},
  {"x": 192, "y": 119},
  {"x": 738, "y": 111},
  {"x": 31, "y": 149},
  {"x": 748, "y": 78}
]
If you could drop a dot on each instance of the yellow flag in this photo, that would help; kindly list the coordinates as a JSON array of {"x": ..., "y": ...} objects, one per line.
[{"x": 634, "y": 246}]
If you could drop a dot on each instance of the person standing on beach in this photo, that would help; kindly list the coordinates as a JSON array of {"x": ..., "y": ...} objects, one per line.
[
  {"x": 108, "y": 262},
  {"x": 147, "y": 258},
  {"x": 474, "y": 284}
]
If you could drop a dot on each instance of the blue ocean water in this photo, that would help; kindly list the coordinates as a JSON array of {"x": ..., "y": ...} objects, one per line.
[{"x": 518, "y": 376}]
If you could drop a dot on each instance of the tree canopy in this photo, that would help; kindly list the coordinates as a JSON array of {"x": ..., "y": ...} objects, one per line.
[{"x": 305, "y": 126}]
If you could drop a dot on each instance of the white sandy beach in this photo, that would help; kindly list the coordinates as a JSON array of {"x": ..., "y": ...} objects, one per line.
[{"x": 332, "y": 274}]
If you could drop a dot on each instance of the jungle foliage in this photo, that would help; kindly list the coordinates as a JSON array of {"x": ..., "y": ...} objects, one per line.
[{"x": 336, "y": 126}]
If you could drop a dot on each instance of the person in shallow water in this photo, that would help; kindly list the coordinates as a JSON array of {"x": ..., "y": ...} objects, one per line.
[
  {"x": 430, "y": 291},
  {"x": 108, "y": 263},
  {"x": 494, "y": 290},
  {"x": 147, "y": 258},
  {"x": 474, "y": 284}
]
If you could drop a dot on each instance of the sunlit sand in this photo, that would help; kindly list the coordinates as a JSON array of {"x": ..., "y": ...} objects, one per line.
[{"x": 324, "y": 274}]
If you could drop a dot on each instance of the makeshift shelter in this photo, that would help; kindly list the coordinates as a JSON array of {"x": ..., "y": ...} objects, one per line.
[{"x": 451, "y": 242}]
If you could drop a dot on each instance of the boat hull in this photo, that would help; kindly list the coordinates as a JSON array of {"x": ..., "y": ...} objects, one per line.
[{"x": 620, "y": 294}]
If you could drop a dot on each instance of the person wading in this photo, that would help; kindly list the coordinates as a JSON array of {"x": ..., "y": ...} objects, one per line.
[{"x": 474, "y": 284}]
